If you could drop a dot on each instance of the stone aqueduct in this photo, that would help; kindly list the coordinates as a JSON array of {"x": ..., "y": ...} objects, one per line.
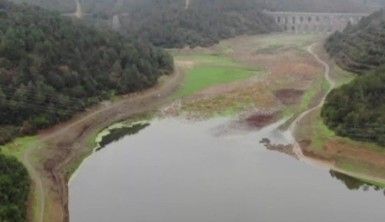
[{"x": 303, "y": 22}]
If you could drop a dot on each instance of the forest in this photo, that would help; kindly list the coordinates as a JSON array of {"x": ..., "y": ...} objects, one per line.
[
  {"x": 14, "y": 190},
  {"x": 361, "y": 47},
  {"x": 357, "y": 110},
  {"x": 52, "y": 67},
  {"x": 203, "y": 23}
]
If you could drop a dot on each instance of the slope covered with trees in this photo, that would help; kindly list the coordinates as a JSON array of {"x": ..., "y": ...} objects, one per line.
[
  {"x": 169, "y": 23},
  {"x": 14, "y": 189},
  {"x": 357, "y": 110},
  {"x": 361, "y": 47},
  {"x": 51, "y": 68},
  {"x": 65, "y": 6}
]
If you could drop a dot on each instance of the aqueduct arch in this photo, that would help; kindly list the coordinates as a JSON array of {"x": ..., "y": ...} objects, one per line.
[{"x": 303, "y": 22}]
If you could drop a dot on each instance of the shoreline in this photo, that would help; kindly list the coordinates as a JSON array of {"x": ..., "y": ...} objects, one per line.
[
  {"x": 94, "y": 149},
  {"x": 66, "y": 146},
  {"x": 313, "y": 158}
]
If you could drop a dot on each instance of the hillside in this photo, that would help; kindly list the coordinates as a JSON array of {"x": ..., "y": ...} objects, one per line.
[
  {"x": 203, "y": 23},
  {"x": 357, "y": 110},
  {"x": 65, "y": 6},
  {"x": 52, "y": 68},
  {"x": 361, "y": 47},
  {"x": 180, "y": 23}
]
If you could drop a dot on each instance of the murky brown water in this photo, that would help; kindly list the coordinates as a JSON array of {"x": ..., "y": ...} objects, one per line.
[{"x": 180, "y": 171}]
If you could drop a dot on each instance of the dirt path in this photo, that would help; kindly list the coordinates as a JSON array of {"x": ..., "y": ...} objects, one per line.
[
  {"x": 293, "y": 127},
  {"x": 38, "y": 184},
  {"x": 66, "y": 146}
]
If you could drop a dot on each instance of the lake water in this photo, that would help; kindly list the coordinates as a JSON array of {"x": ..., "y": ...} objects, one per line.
[{"x": 177, "y": 170}]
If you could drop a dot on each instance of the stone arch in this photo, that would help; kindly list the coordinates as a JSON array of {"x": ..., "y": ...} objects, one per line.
[
  {"x": 309, "y": 19},
  {"x": 278, "y": 19},
  {"x": 301, "y": 19}
]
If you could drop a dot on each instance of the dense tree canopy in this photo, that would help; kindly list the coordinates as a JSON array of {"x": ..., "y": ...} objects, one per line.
[
  {"x": 170, "y": 24},
  {"x": 51, "y": 67},
  {"x": 14, "y": 189},
  {"x": 357, "y": 110},
  {"x": 361, "y": 47}
]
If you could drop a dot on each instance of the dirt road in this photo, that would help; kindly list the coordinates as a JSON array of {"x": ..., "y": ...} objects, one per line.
[
  {"x": 66, "y": 145},
  {"x": 293, "y": 127}
]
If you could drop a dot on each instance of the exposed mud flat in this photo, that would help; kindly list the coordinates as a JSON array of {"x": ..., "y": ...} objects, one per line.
[
  {"x": 282, "y": 148},
  {"x": 289, "y": 96},
  {"x": 261, "y": 119}
]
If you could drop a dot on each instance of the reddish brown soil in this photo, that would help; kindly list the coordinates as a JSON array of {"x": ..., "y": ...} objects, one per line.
[
  {"x": 289, "y": 96},
  {"x": 259, "y": 120}
]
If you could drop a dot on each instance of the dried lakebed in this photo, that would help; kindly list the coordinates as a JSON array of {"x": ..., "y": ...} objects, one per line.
[{"x": 212, "y": 171}]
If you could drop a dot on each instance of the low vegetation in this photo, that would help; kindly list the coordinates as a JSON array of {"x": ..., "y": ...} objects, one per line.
[
  {"x": 52, "y": 68},
  {"x": 210, "y": 70},
  {"x": 357, "y": 109}
]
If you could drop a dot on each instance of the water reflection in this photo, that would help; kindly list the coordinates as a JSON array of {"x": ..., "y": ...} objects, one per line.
[
  {"x": 353, "y": 183},
  {"x": 118, "y": 133}
]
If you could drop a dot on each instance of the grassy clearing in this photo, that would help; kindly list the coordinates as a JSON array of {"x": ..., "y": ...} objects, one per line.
[
  {"x": 341, "y": 76},
  {"x": 321, "y": 133},
  {"x": 210, "y": 70},
  {"x": 362, "y": 168},
  {"x": 19, "y": 146}
]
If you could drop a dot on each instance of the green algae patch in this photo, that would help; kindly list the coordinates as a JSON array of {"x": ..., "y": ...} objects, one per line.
[{"x": 117, "y": 132}]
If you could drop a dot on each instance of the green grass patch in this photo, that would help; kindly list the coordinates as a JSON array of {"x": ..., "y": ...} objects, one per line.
[
  {"x": 321, "y": 133},
  {"x": 203, "y": 77},
  {"x": 363, "y": 168},
  {"x": 341, "y": 76},
  {"x": 210, "y": 70},
  {"x": 17, "y": 147}
]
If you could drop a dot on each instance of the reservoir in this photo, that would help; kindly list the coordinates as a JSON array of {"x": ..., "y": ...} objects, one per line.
[{"x": 178, "y": 170}]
